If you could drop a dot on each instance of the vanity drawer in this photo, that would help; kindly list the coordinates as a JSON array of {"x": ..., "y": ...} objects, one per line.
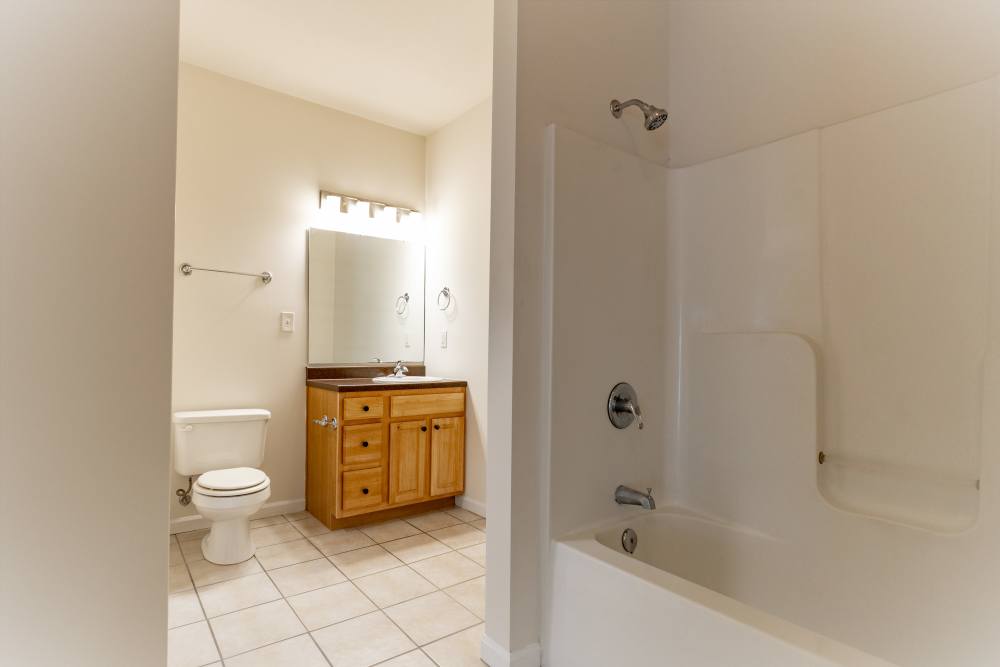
[
  {"x": 362, "y": 407},
  {"x": 415, "y": 405},
  {"x": 361, "y": 489},
  {"x": 363, "y": 443}
]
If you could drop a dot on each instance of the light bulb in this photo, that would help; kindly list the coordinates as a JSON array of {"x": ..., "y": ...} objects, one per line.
[
  {"x": 331, "y": 203},
  {"x": 362, "y": 209}
]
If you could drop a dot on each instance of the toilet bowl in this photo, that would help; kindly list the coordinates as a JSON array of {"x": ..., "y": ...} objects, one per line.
[{"x": 228, "y": 498}]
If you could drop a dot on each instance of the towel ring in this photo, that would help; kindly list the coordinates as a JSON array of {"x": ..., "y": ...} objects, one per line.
[
  {"x": 401, "y": 303},
  {"x": 446, "y": 293}
]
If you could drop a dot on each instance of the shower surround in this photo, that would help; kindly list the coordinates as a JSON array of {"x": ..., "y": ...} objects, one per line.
[{"x": 832, "y": 292}]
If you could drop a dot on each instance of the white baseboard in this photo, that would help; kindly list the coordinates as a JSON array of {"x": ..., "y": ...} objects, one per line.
[
  {"x": 495, "y": 655},
  {"x": 467, "y": 503},
  {"x": 196, "y": 522}
]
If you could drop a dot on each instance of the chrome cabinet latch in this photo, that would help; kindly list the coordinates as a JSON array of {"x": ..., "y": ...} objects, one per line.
[{"x": 326, "y": 421}]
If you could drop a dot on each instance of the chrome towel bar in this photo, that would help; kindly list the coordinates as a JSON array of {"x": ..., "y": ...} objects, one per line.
[{"x": 187, "y": 270}]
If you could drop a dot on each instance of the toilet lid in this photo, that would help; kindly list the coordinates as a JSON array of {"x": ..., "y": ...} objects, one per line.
[{"x": 232, "y": 479}]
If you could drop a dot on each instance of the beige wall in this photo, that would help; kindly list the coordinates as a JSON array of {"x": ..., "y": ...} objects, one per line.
[
  {"x": 87, "y": 131},
  {"x": 458, "y": 255},
  {"x": 250, "y": 164}
]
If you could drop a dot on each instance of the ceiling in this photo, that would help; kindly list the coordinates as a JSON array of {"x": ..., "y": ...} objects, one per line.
[{"x": 412, "y": 65}]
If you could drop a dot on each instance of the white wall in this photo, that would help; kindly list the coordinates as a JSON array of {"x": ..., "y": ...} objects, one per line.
[
  {"x": 458, "y": 251},
  {"x": 87, "y": 130},
  {"x": 250, "y": 164},
  {"x": 554, "y": 62}
]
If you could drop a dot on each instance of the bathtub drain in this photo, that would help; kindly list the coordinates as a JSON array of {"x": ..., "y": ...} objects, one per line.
[{"x": 629, "y": 540}]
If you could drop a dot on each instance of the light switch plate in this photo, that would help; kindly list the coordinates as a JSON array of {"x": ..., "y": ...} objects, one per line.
[
  {"x": 288, "y": 322},
  {"x": 444, "y": 340}
]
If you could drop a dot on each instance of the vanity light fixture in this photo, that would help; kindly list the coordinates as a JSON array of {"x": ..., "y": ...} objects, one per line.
[
  {"x": 364, "y": 217},
  {"x": 360, "y": 208}
]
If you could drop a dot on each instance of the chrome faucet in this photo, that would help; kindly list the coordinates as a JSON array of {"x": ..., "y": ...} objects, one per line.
[
  {"x": 626, "y": 496},
  {"x": 400, "y": 370}
]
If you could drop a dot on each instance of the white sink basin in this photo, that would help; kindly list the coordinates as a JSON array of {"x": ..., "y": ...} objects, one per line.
[{"x": 407, "y": 378}]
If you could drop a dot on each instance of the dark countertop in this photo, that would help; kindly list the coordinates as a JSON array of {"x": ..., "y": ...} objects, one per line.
[{"x": 367, "y": 384}]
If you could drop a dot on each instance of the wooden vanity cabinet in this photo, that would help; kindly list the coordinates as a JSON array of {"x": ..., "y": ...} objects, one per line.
[{"x": 391, "y": 452}]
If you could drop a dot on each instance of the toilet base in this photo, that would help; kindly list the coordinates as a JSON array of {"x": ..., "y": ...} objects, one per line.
[{"x": 228, "y": 542}]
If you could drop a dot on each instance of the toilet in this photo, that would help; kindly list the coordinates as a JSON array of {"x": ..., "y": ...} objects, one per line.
[{"x": 223, "y": 448}]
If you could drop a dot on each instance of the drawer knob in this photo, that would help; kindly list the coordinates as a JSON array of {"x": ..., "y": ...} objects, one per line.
[
  {"x": 437, "y": 427},
  {"x": 364, "y": 444},
  {"x": 366, "y": 408},
  {"x": 423, "y": 428},
  {"x": 365, "y": 490}
]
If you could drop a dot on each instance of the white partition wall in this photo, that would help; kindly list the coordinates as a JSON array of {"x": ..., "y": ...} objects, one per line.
[{"x": 88, "y": 104}]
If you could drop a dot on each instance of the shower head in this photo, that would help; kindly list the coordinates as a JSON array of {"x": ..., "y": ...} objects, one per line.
[{"x": 655, "y": 116}]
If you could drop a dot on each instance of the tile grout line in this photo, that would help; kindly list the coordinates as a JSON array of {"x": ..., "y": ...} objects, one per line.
[
  {"x": 457, "y": 632},
  {"x": 251, "y": 650},
  {"x": 195, "y": 588},
  {"x": 380, "y": 609},
  {"x": 284, "y": 599},
  {"x": 459, "y": 602},
  {"x": 312, "y": 590},
  {"x": 201, "y": 605},
  {"x": 450, "y": 634}
]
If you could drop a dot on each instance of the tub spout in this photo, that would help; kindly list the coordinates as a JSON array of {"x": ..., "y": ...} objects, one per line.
[{"x": 626, "y": 496}]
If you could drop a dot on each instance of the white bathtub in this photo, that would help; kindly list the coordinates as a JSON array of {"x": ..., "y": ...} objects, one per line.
[{"x": 692, "y": 595}]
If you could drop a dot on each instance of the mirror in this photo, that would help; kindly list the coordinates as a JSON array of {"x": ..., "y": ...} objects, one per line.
[{"x": 366, "y": 299}]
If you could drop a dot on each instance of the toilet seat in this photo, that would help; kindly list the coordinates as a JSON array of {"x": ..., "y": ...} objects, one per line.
[{"x": 230, "y": 482}]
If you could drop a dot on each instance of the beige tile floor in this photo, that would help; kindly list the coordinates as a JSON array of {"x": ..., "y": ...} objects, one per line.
[{"x": 403, "y": 593}]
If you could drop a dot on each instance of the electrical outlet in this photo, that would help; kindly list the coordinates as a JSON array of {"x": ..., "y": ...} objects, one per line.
[
  {"x": 444, "y": 340},
  {"x": 288, "y": 322}
]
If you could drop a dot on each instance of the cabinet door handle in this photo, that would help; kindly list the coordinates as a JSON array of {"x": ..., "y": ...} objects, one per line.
[
  {"x": 366, "y": 408},
  {"x": 365, "y": 490},
  {"x": 326, "y": 421},
  {"x": 437, "y": 427},
  {"x": 423, "y": 428},
  {"x": 364, "y": 444}
]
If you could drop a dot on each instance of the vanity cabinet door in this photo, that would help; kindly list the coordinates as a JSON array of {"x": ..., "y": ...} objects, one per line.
[
  {"x": 447, "y": 455},
  {"x": 321, "y": 445},
  {"x": 408, "y": 461}
]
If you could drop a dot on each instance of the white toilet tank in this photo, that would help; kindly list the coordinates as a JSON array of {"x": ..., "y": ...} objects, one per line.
[{"x": 213, "y": 439}]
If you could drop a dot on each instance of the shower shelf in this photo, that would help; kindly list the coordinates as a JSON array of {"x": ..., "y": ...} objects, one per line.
[{"x": 911, "y": 473}]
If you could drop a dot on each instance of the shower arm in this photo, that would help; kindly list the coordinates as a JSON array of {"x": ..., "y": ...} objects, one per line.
[{"x": 617, "y": 107}]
